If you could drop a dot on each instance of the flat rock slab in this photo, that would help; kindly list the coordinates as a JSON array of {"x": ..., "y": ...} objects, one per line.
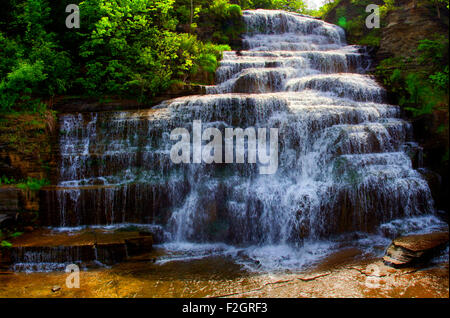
[
  {"x": 77, "y": 238},
  {"x": 106, "y": 247},
  {"x": 414, "y": 250}
]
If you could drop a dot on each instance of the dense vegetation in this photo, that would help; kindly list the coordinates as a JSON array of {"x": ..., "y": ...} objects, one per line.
[
  {"x": 426, "y": 89},
  {"x": 130, "y": 48}
]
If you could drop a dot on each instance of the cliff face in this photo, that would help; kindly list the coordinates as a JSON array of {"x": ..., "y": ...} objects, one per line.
[
  {"x": 27, "y": 152},
  {"x": 403, "y": 26},
  {"x": 26, "y": 145}
]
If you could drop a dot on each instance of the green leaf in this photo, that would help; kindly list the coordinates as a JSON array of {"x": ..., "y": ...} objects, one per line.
[{"x": 6, "y": 244}]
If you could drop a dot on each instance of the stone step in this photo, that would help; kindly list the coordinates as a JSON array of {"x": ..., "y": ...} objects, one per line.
[
  {"x": 107, "y": 247},
  {"x": 414, "y": 250}
]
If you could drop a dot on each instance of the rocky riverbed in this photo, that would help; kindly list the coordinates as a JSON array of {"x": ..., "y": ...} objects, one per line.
[{"x": 346, "y": 273}]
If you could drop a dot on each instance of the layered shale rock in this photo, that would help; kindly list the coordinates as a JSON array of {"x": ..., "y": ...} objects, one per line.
[
  {"x": 71, "y": 104},
  {"x": 27, "y": 146},
  {"x": 46, "y": 250},
  {"x": 406, "y": 26},
  {"x": 414, "y": 250}
]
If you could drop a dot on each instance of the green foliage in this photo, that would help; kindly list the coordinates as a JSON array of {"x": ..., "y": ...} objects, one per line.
[
  {"x": 445, "y": 156},
  {"x": 342, "y": 22},
  {"x": 356, "y": 6},
  {"x": 223, "y": 9},
  {"x": 440, "y": 79},
  {"x": 16, "y": 234},
  {"x": 217, "y": 21},
  {"x": 20, "y": 83},
  {"x": 28, "y": 184},
  {"x": 32, "y": 64},
  {"x": 388, "y": 5},
  {"x": 234, "y": 10},
  {"x": 288, "y": 5},
  {"x": 4, "y": 180},
  {"x": 352, "y": 18},
  {"x": 425, "y": 90},
  {"x": 5, "y": 244},
  {"x": 370, "y": 40},
  {"x": 420, "y": 86},
  {"x": 327, "y": 7},
  {"x": 434, "y": 51},
  {"x": 129, "y": 36},
  {"x": 124, "y": 47},
  {"x": 419, "y": 94}
]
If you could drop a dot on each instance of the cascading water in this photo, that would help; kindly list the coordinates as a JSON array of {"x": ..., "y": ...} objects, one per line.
[{"x": 342, "y": 164}]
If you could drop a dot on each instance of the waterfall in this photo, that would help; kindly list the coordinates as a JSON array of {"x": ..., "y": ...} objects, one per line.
[{"x": 342, "y": 160}]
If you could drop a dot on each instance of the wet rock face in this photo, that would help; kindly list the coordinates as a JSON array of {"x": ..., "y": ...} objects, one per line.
[
  {"x": 405, "y": 27},
  {"x": 26, "y": 151},
  {"x": 9, "y": 200},
  {"x": 26, "y": 146},
  {"x": 415, "y": 250},
  {"x": 72, "y": 105}
]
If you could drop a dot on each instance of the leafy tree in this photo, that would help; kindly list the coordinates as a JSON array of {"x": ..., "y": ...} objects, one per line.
[
  {"x": 33, "y": 64},
  {"x": 289, "y": 5},
  {"x": 133, "y": 49}
]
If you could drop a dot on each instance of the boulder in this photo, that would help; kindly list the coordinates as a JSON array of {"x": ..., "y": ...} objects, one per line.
[{"x": 413, "y": 250}]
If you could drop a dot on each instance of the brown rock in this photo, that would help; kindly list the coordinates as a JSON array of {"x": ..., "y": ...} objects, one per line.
[
  {"x": 28, "y": 229},
  {"x": 415, "y": 249},
  {"x": 406, "y": 26}
]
